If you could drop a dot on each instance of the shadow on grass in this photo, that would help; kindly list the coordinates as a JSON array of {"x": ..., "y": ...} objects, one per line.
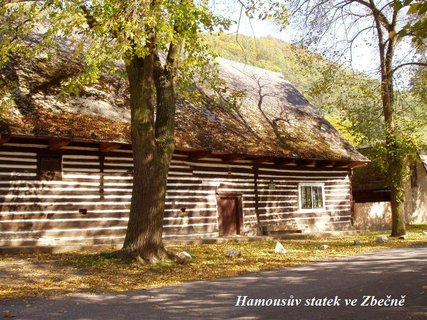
[
  {"x": 43, "y": 274},
  {"x": 396, "y": 272}
]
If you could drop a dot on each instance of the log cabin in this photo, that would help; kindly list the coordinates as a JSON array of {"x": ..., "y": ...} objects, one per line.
[{"x": 269, "y": 163}]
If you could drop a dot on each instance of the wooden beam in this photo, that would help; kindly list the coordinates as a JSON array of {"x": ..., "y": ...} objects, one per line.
[
  {"x": 342, "y": 164},
  {"x": 58, "y": 143},
  {"x": 325, "y": 163},
  {"x": 196, "y": 155},
  {"x": 232, "y": 157},
  {"x": 285, "y": 162},
  {"x": 108, "y": 146},
  {"x": 357, "y": 164},
  {"x": 4, "y": 138},
  {"x": 306, "y": 163},
  {"x": 262, "y": 159}
]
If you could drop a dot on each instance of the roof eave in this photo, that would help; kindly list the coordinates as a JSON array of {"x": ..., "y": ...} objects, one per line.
[{"x": 56, "y": 143}]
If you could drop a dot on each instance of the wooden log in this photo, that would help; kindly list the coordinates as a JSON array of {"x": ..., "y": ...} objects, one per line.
[
  {"x": 105, "y": 147},
  {"x": 58, "y": 143}
]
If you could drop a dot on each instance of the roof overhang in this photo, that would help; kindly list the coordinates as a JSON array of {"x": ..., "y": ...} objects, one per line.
[{"x": 60, "y": 143}]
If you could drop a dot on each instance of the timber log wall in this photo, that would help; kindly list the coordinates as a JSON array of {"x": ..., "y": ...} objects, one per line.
[{"x": 89, "y": 204}]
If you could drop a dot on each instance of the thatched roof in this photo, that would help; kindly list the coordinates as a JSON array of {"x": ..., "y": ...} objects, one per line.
[{"x": 274, "y": 119}]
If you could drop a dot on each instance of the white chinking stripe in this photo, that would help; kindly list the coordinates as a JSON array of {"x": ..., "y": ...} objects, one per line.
[
  {"x": 18, "y": 174},
  {"x": 64, "y": 220},
  {"x": 74, "y": 163},
  {"x": 317, "y": 218},
  {"x": 62, "y": 230},
  {"x": 55, "y": 196},
  {"x": 65, "y": 157},
  {"x": 25, "y": 145},
  {"x": 31, "y": 160},
  {"x": 110, "y": 158},
  {"x": 196, "y": 209},
  {"x": 65, "y": 169},
  {"x": 217, "y": 165},
  {"x": 297, "y": 171},
  {"x": 88, "y": 203},
  {"x": 18, "y": 153},
  {"x": 188, "y": 218},
  {"x": 201, "y": 235},
  {"x": 189, "y": 225},
  {"x": 61, "y": 212},
  {"x": 18, "y": 166},
  {"x": 284, "y": 177}
]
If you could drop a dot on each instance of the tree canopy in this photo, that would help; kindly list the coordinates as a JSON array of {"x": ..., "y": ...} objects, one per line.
[
  {"x": 397, "y": 33},
  {"x": 157, "y": 45}
]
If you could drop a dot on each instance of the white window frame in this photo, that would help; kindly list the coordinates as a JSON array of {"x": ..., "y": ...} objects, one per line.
[{"x": 311, "y": 184}]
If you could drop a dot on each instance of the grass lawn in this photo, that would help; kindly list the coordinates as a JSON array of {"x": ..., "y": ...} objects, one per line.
[{"x": 95, "y": 272}]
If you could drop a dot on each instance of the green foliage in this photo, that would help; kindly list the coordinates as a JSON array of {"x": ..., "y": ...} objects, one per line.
[
  {"x": 419, "y": 85},
  {"x": 350, "y": 101},
  {"x": 312, "y": 75},
  {"x": 357, "y": 101},
  {"x": 101, "y": 33},
  {"x": 159, "y": 44},
  {"x": 297, "y": 65},
  {"x": 266, "y": 10},
  {"x": 417, "y": 27},
  {"x": 342, "y": 126},
  {"x": 390, "y": 120}
]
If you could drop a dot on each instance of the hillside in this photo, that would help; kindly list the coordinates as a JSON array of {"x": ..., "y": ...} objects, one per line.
[
  {"x": 272, "y": 54},
  {"x": 306, "y": 71}
]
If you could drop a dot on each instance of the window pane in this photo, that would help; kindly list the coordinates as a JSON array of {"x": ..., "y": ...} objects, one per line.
[
  {"x": 317, "y": 197},
  {"x": 306, "y": 197},
  {"x": 49, "y": 167}
]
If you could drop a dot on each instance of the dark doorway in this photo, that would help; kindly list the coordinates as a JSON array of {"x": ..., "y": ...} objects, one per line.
[{"x": 230, "y": 213}]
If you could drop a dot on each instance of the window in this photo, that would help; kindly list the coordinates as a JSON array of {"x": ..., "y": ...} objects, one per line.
[
  {"x": 49, "y": 167},
  {"x": 311, "y": 196}
]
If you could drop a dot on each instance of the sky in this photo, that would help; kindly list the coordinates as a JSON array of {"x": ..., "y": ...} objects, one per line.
[{"x": 362, "y": 59}]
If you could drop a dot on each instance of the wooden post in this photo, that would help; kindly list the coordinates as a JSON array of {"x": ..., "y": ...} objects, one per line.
[
  {"x": 101, "y": 173},
  {"x": 255, "y": 169},
  {"x": 58, "y": 143},
  {"x": 4, "y": 138}
]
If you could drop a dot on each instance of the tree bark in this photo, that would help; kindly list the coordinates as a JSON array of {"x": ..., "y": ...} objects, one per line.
[
  {"x": 398, "y": 227},
  {"x": 151, "y": 160}
]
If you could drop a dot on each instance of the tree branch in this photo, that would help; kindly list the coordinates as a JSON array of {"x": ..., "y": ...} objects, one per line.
[
  {"x": 422, "y": 64},
  {"x": 381, "y": 17},
  {"x": 90, "y": 19}
]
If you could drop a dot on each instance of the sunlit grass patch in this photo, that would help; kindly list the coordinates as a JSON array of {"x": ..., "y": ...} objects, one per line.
[{"x": 95, "y": 271}]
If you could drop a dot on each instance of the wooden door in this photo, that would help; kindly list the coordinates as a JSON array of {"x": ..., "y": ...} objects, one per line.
[{"x": 229, "y": 214}]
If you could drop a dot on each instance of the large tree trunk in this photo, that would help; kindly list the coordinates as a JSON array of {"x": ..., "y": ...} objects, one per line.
[
  {"x": 151, "y": 158},
  {"x": 396, "y": 183},
  {"x": 398, "y": 227},
  {"x": 395, "y": 161}
]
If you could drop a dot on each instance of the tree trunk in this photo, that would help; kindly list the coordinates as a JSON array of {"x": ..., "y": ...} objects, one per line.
[
  {"x": 396, "y": 183},
  {"x": 398, "y": 227},
  {"x": 151, "y": 165},
  {"x": 395, "y": 161}
]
